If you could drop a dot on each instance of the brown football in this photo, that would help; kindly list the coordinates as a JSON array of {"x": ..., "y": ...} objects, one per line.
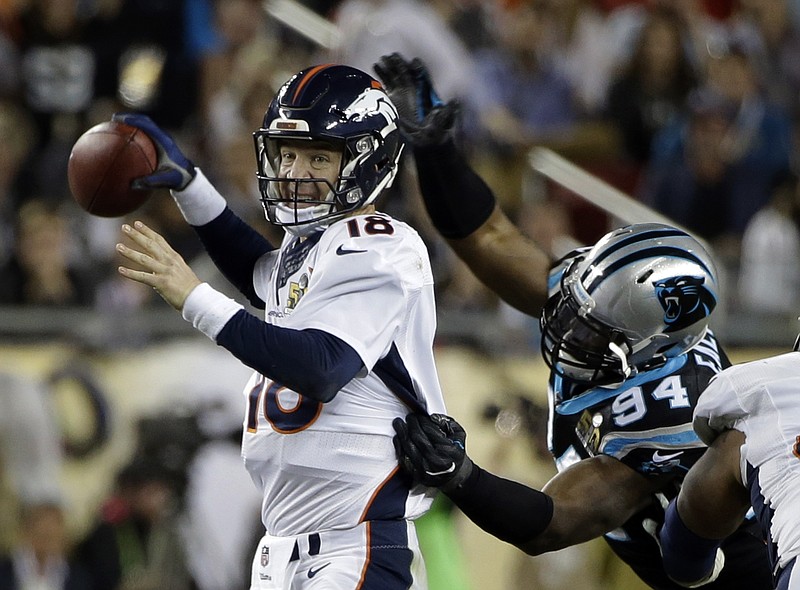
[{"x": 102, "y": 165}]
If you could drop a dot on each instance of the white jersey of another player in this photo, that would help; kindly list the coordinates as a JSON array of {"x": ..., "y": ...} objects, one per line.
[
  {"x": 366, "y": 280},
  {"x": 762, "y": 400}
]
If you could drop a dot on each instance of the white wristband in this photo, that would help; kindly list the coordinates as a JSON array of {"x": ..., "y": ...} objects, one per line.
[
  {"x": 208, "y": 310},
  {"x": 199, "y": 202}
]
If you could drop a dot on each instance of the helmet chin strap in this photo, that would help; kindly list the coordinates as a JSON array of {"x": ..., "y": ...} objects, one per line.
[
  {"x": 303, "y": 222},
  {"x": 617, "y": 351},
  {"x": 296, "y": 224}
]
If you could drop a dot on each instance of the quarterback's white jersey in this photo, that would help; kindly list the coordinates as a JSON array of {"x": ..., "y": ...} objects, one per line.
[
  {"x": 366, "y": 280},
  {"x": 762, "y": 400}
]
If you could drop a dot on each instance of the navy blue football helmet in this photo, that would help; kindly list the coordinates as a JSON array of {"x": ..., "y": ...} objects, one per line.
[
  {"x": 346, "y": 108},
  {"x": 642, "y": 295}
]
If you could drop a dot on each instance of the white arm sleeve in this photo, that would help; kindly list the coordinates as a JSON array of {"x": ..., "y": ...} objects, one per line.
[
  {"x": 208, "y": 310},
  {"x": 199, "y": 202}
]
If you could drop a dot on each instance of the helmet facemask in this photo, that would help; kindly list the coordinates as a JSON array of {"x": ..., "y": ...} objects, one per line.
[
  {"x": 579, "y": 347},
  {"x": 281, "y": 196}
]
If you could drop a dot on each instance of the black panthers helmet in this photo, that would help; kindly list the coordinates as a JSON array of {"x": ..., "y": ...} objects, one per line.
[
  {"x": 642, "y": 295},
  {"x": 346, "y": 107}
]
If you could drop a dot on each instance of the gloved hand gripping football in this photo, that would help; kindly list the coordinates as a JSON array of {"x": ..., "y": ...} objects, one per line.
[
  {"x": 424, "y": 118},
  {"x": 432, "y": 450},
  {"x": 174, "y": 170}
]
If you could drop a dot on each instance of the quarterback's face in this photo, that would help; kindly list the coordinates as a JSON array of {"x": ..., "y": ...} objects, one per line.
[{"x": 302, "y": 160}]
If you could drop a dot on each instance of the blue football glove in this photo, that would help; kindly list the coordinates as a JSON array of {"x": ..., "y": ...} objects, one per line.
[
  {"x": 424, "y": 118},
  {"x": 431, "y": 449},
  {"x": 174, "y": 170}
]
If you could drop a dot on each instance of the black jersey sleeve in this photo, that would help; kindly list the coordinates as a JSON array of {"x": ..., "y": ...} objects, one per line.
[
  {"x": 311, "y": 362},
  {"x": 234, "y": 247}
]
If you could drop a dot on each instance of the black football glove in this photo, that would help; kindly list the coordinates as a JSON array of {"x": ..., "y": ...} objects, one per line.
[
  {"x": 175, "y": 170},
  {"x": 431, "y": 449},
  {"x": 424, "y": 118}
]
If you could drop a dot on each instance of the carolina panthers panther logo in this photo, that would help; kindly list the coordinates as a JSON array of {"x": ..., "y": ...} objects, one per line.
[{"x": 685, "y": 300}]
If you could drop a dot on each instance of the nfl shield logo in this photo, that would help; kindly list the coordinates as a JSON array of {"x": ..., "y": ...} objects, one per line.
[{"x": 264, "y": 556}]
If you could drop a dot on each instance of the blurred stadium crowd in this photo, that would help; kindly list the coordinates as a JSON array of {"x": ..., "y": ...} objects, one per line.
[{"x": 691, "y": 106}]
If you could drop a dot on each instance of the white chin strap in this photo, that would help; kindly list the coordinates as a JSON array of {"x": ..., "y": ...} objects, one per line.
[
  {"x": 304, "y": 218},
  {"x": 623, "y": 358}
]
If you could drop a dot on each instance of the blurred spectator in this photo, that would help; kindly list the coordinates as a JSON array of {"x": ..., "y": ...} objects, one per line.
[
  {"x": 17, "y": 131},
  {"x": 144, "y": 57},
  {"x": 690, "y": 178},
  {"x": 33, "y": 532},
  {"x": 470, "y": 20},
  {"x": 369, "y": 29},
  {"x": 40, "y": 271},
  {"x": 39, "y": 560},
  {"x": 30, "y": 449},
  {"x": 82, "y": 61},
  {"x": 769, "y": 276},
  {"x": 651, "y": 90},
  {"x": 243, "y": 37},
  {"x": 761, "y": 136},
  {"x": 589, "y": 45},
  {"x": 772, "y": 39},
  {"x": 713, "y": 170},
  {"x": 137, "y": 544},
  {"x": 221, "y": 535},
  {"x": 705, "y": 25},
  {"x": 57, "y": 87},
  {"x": 58, "y": 65},
  {"x": 522, "y": 99},
  {"x": 244, "y": 82}
]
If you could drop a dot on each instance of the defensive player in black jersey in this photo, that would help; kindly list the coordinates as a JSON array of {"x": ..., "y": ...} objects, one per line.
[{"x": 625, "y": 334}]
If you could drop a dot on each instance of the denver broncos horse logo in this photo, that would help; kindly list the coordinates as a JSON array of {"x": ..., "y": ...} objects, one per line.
[
  {"x": 369, "y": 102},
  {"x": 685, "y": 300}
]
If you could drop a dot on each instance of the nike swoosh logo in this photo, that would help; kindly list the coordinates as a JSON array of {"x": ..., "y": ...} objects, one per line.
[
  {"x": 312, "y": 572},
  {"x": 342, "y": 251},
  {"x": 450, "y": 469},
  {"x": 659, "y": 458}
]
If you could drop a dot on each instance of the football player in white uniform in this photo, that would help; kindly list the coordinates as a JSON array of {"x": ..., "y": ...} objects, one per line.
[
  {"x": 750, "y": 417},
  {"x": 346, "y": 345}
]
